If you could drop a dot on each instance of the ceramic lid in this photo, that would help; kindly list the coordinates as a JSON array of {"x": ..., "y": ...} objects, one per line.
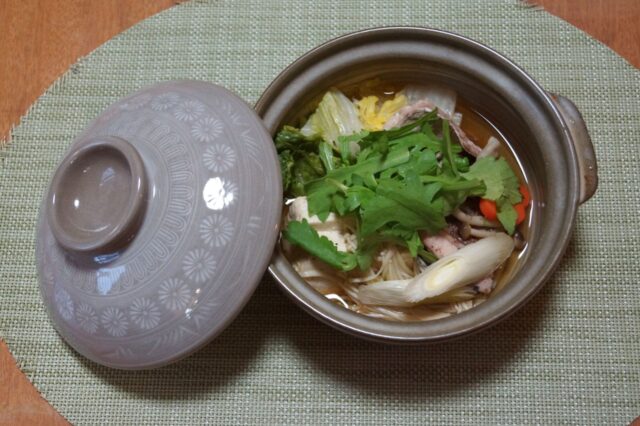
[{"x": 158, "y": 224}]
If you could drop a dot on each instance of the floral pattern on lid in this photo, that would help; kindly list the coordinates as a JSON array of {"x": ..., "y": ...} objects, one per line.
[
  {"x": 212, "y": 175},
  {"x": 199, "y": 265},
  {"x": 189, "y": 110},
  {"x": 87, "y": 318},
  {"x": 216, "y": 230},
  {"x": 207, "y": 129},
  {"x": 219, "y": 158},
  {"x": 174, "y": 294}
]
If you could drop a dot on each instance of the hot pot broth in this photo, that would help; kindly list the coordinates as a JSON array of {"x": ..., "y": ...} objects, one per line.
[
  {"x": 480, "y": 129},
  {"x": 392, "y": 264}
]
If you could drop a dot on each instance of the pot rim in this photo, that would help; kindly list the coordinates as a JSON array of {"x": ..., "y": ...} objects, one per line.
[{"x": 424, "y": 331}]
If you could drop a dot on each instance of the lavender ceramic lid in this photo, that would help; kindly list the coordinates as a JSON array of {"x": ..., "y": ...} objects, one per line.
[{"x": 158, "y": 224}]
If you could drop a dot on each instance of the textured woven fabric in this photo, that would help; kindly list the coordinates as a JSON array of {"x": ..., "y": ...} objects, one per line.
[{"x": 571, "y": 356}]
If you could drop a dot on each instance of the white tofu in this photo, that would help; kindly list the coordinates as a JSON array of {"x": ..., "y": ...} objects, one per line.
[{"x": 334, "y": 228}]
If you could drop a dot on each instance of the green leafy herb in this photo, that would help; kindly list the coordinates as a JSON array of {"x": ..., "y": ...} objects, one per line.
[
  {"x": 305, "y": 236},
  {"x": 507, "y": 215},
  {"x": 427, "y": 256},
  {"x": 501, "y": 185},
  {"x": 447, "y": 151},
  {"x": 346, "y": 144},
  {"x": 286, "y": 168},
  {"x": 300, "y": 162},
  {"x": 391, "y": 182},
  {"x": 326, "y": 156},
  {"x": 499, "y": 180},
  {"x": 409, "y": 205},
  {"x": 305, "y": 169},
  {"x": 291, "y": 139}
]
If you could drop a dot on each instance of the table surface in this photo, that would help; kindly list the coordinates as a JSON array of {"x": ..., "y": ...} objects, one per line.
[{"x": 39, "y": 43}]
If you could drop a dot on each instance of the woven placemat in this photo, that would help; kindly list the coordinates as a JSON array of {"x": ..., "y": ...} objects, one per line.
[{"x": 570, "y": 356}]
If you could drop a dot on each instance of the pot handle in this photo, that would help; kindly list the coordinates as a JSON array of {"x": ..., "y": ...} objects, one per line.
[{"x": 582, "y": 144}]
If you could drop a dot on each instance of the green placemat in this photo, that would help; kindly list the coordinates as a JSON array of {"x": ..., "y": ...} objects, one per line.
[{"x": 570, "y": 356}]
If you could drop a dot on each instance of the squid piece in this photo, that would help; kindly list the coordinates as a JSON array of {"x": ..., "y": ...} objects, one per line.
[{"x": 442, "y": 244}]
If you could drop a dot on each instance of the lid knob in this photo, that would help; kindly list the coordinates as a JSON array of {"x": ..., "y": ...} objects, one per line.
[{"x": 97, "y": 197}]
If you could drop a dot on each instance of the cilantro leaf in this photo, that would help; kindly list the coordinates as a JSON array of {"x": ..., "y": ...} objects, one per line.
[
  {"x": 507, "y": 215},
  {"x": 498, "y": 178}
]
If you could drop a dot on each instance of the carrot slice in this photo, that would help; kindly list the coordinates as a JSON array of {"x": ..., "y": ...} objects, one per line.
[
  {"x": 488, "y": 209},
  {"x": 526, "y": 196},
  {"x": 520, "y": 209}
]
